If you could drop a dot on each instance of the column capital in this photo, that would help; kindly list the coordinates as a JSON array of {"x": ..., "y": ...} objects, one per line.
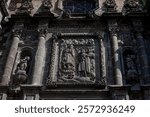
[
  {"x": 100, "y": 35},
  {"x": 42, "y": 32},
  {"x": 137, "y": 25},
  {"x": 113, "y": 26},
  {"x": 17, "y": 32}
]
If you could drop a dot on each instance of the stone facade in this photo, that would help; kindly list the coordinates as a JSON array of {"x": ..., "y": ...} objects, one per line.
[{"x": 72, "y": 49}]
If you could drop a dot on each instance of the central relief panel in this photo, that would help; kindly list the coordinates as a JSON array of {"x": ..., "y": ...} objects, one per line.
[{"x": 75, "y": 60}]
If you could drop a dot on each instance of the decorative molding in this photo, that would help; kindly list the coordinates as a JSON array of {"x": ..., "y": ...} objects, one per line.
[
  {"x": 26, "y": 6},
  {"x": 109, "y": 6},
  {"x": 132, "y": 6},
  {"x": 42, "y": 32},
  {"x": 17, "y": 32},
  {"x": 113, "y": 27}
]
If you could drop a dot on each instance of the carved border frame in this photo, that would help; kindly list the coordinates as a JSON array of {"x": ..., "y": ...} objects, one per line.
[{"x": 52, "y": 80}]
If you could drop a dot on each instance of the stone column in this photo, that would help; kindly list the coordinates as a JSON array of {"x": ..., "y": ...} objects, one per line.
[
  {"x": 102, "y": 57},
  {"x": 142, "y": 51},
  {"x": 11, "y": 57},
  {"x": 113, "y": 28},
  {"x": 40, "y": 58}
]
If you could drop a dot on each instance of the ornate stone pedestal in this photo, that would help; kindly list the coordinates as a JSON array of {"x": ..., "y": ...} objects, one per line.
[
  {"x": 146, "y": 91},
  {"x": 119, "y": 92},
  {"x": 30, "y": 92},
  {"x": 3, "y": 92}
]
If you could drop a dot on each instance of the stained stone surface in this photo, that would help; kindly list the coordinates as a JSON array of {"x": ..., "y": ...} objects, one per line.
[{"x": 99, "y": 50}]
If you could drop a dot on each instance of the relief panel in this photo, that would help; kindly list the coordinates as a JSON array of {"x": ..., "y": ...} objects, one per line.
[{"x": 75, "y": 60}]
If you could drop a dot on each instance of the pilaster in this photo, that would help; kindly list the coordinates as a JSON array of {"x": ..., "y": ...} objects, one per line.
[
  {"x": 16, "y": 32},
  {"x": 138, "y": 28},
  {"x": 113, "y": 28}
]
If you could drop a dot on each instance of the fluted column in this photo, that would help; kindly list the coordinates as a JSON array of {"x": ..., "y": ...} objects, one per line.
[
  {"x": 142, "y": 51},
  {"x": 11, "y": 57},
  {"x": 40, "y": 58},
  {"x": 113, "y": 28}
]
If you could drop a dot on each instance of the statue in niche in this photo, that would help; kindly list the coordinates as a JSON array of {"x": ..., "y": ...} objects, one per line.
[
  {"x": 131, "y": 69},
  {"x": 21, "y": 73},
  {"x": 86, "y": 65},
  {"x": 68, "y": 61},
  {"x": 22, "y": 66}
]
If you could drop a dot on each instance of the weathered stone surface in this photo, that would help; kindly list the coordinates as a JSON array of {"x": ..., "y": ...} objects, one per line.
[{"x": 51, "y": 51}]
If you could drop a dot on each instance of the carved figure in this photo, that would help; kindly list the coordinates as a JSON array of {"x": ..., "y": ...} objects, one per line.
[
  {"x": 86, "y": 64},
  {"x": 68, "y": 57},
  {"x": 21, "y": 75},
  {"x": 131, "y": 67},
  {"x": 68, "y": 61},
  {"x": 23, "y": 64}
]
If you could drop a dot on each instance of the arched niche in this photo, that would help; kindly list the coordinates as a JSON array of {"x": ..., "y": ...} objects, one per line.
[
  {"x": 130, "y": 66},
  {"x": 23, "y": 66}
]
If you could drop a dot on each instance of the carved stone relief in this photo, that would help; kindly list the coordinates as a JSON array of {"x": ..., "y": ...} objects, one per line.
[
  {"x": 109, "y": 6},
  {"x": 74, "y": 61},
  {"x": 132, "y": 6},
  {"x": 77, "y": 61},
  {"x": 131, "y": 67},
  {"x": 26, "y": 6},
  {"x": 21, "y": 71},
  {"x": 127, "y": 39}
]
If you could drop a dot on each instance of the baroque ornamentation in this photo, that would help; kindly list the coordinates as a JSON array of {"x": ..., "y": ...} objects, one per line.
[
  {"x": 73, "y": 61},
  {"x": 42, "y": 32},
  {"x": 47, "y": 4},
  {"x": 110, "y": 6},
  {"x": 17, "y": 32},
  {"x": 131, "y": 70},
  {"x": 21, "y": 72},
  {"x": 26, "y": 6},
  {"x": 77, "y": 62},
  {"x": 132, "y": 6}
]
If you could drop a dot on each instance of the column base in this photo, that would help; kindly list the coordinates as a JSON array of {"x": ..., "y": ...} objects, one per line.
[
  {"x": 119, "y": 92},
  {"x": 30, "y": 92},
  {"x": 3, "y": 92},
  {"x": 146, "y": 91}
]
